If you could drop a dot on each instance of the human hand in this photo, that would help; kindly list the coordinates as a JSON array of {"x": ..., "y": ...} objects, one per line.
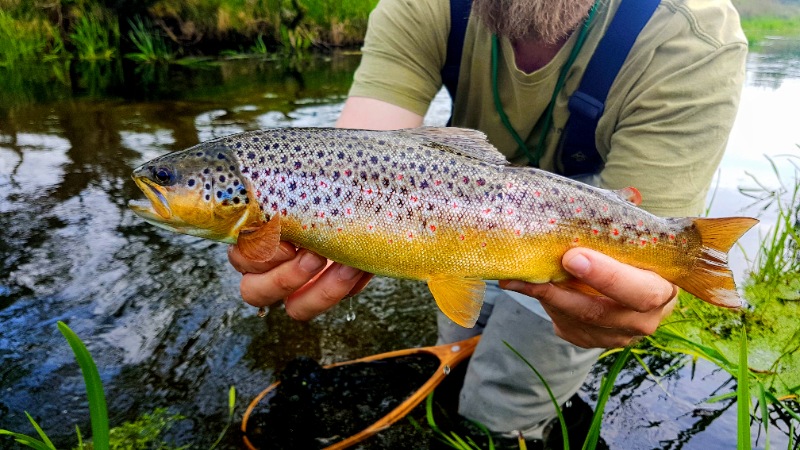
[
  {"x": 307, "y": 283},
  {"x": 632, "y": 304}
]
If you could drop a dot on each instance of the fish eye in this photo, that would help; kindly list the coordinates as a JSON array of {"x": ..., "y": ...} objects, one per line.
[{"x": 163, "y": 176}]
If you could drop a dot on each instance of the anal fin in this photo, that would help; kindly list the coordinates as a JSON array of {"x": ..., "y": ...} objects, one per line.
[
  {"x": 260, "y": 243},
  {"x": 460, "y": 299}
]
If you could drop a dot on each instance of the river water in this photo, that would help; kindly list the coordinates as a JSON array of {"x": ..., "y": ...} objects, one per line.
[{"x": 161, "y": 312}]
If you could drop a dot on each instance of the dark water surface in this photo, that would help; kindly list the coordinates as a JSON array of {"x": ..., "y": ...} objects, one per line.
[{"x": 161, "y": 313}]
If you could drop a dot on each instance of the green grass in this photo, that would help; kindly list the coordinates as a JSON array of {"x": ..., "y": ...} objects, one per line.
[{"x": 758, "y": 29}]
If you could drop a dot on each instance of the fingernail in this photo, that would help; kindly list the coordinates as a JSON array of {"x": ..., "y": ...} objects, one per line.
[
  {"x": 311, "y": 262},
  {"x": 347, "y": 273},
  {"x": 578, "y": 265}
]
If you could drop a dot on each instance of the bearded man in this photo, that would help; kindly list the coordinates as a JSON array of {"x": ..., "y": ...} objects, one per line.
[{"x": 663, "y": 130}]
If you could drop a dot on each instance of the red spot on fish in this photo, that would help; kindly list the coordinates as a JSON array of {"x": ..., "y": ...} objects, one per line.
[
  {"x": 510, "y": 185},
  {"x": 390, "y": 214},
  {"x": 323, "y": 184},
  {"x": 640, "y": 223},
  {"x": 455, "y": 205},
  {"x": 369, "y": 191},
  {"x": 414, "y": 198},
  {"x": 283, "y": 179},
  {"x": 576, "y": 240},
  {"x": 578, "y": 209},
  {"x": 595, "y": 231},
  {"x": 437, "y": 182},
  {"x": 518, "y": 232},
  {"x": 305, "y": 227},
  {"x": 348, "y": 172},
  {"x": 348, "y": 211},
  {"x": 462, "y": 237},
  {"x": 615, "y": 232},
  {"x": 605, "y": 208},
  {"x": 671, "y": 237},
  {"x": 483, "y": 244},
  {"x": 644, "y": 242},
  {"x": 552, "y": 221},
  {"x": 433, "y": 227},
  {"x": 339, "y": 230},
  {"x": 655, "y": 239},
  {"x": 400, "y": 176},
  {"x": 283, "y": 212},
  {"x": 510, "y": 212},
  {"x": 535, "y": 194},
  {"x": 303, "y": 195},
  {"x": 369, "y": 227},
  {"x": 321, "y": 214},
  {"x": 487, "y": 210},
  {"x": 572, "y": 199},
  {"x": 410, "y": 235},
  {"x": 391, "y": 241}
]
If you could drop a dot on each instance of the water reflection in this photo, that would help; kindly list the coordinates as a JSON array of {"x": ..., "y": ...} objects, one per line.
[{"x": 161, "y": 312}]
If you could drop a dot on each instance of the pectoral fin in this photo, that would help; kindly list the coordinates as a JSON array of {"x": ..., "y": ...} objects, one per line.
[
  {"x": 460, "y": 299},
  {"x": 260, "y": 243},
  {"x": 574, "y": 285}
]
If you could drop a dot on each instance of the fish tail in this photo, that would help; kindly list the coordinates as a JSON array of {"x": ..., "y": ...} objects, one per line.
[{"x": 710, "y": 279}]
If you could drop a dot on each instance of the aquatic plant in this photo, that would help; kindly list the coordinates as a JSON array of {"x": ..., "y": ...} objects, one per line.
[
  {"x": 95, "y": 38},
  {"x": 151, "y": 44},
  {"x": 27, "y": 40}
]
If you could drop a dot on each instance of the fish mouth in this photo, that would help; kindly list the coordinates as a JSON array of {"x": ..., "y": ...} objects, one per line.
[{"x": 157, "y": 208}]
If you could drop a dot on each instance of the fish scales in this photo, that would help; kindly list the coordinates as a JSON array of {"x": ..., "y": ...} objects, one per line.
[{"x": 439, "y": 205}]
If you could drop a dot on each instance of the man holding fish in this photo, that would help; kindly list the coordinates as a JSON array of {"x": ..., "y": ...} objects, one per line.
[{"x": 663, "y": 130}]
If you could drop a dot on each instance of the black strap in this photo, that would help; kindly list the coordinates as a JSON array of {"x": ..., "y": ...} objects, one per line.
[
  {"x": 459, "y": 17},
  {"x": 579, "y": 154}
]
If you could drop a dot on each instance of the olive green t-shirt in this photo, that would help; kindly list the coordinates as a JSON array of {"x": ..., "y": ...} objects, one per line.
[{"x": 667, "y": 116}]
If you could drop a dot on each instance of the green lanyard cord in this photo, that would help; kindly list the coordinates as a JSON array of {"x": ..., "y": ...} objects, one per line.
[{"x": 534, "y": 157}]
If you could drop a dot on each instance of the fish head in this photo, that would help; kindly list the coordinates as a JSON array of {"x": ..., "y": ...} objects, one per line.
[{"x": 198, "y": 191}]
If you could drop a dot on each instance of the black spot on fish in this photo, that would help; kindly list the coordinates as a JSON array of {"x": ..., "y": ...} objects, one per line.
[
  {"x": 297, "y": 165},
  {"x": 275, "y": 145},
  {"x": 316, "y": 200},
  {"x": 220, "y": 156},
  {"x": 236, "y": 200},
  {"x": 207, "y": 186},
  {"x": 190, "y": 182},
  {"x": 230, "y": 190},
  {"x": 291, "y": 203},
  {"x": 208, "y": 197},
  {"x": 198, "y": 154},
  {"x": 222, "y": 178},
  {"x": 206, "y": 170},
  {"x": 219, "y": 194},
  {"x": 251, "y": 155},
  {"x": 292, "y": 185},
  {"x": 373, "y": 160}
]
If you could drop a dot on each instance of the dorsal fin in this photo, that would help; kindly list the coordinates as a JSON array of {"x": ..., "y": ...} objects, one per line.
[{"x": 461, "y": 141}]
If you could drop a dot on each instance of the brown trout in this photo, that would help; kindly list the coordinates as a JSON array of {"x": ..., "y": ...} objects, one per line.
[{"x": 434, "y": 204}]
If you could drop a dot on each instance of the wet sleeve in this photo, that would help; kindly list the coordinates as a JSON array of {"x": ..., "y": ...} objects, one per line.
[
  {"x": 403, "y": 53},
  {"x": 672, "y": 127}
]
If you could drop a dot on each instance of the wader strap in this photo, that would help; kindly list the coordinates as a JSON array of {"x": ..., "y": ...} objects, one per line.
[{"x": 579, "y": 154}]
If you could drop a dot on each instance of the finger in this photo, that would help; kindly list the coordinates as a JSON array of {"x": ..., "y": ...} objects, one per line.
[
  {"x": 361, "y": 284},
  {"x": 285, "y": 252},
  {"x": 265, "y": 289},
  {"x": 330, "y": 287},
  {"x": 637, "y": 289},
  {"x": 592, "y": 311}
]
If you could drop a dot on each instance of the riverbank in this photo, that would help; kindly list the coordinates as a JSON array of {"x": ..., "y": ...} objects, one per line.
[{"x": 158, "y": 30}]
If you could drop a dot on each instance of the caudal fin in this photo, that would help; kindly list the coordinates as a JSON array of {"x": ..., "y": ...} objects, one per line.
[{"x": 710, "y": 279}]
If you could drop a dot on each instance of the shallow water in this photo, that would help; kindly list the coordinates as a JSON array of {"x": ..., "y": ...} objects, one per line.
[{"x": 161, "y": 313}]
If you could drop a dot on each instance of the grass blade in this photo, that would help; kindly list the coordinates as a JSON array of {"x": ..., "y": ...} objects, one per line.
[
  {"x": 743, "y": 397},
  {"x": 762, "y": 400},
  {"x": 94, "y": 388},
  {"x": 231, "y": 406},
  {"x": 605, "y": 391},
  {"x": 41, "y": 432},
  {"x": 553, "y": 399},
  {"x": 24, "y": 439}
]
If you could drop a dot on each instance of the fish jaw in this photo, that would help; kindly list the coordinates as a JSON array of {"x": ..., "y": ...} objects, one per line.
[{"x": 158, "y": 208}]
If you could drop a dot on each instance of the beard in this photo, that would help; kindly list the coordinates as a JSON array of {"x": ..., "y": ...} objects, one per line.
[{"x": 547, "y": 21}]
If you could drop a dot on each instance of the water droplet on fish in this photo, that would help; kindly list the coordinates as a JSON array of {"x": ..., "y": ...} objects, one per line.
[
  {"x": 262, "y": 312},
  {"x": 446, "y": 370}
]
